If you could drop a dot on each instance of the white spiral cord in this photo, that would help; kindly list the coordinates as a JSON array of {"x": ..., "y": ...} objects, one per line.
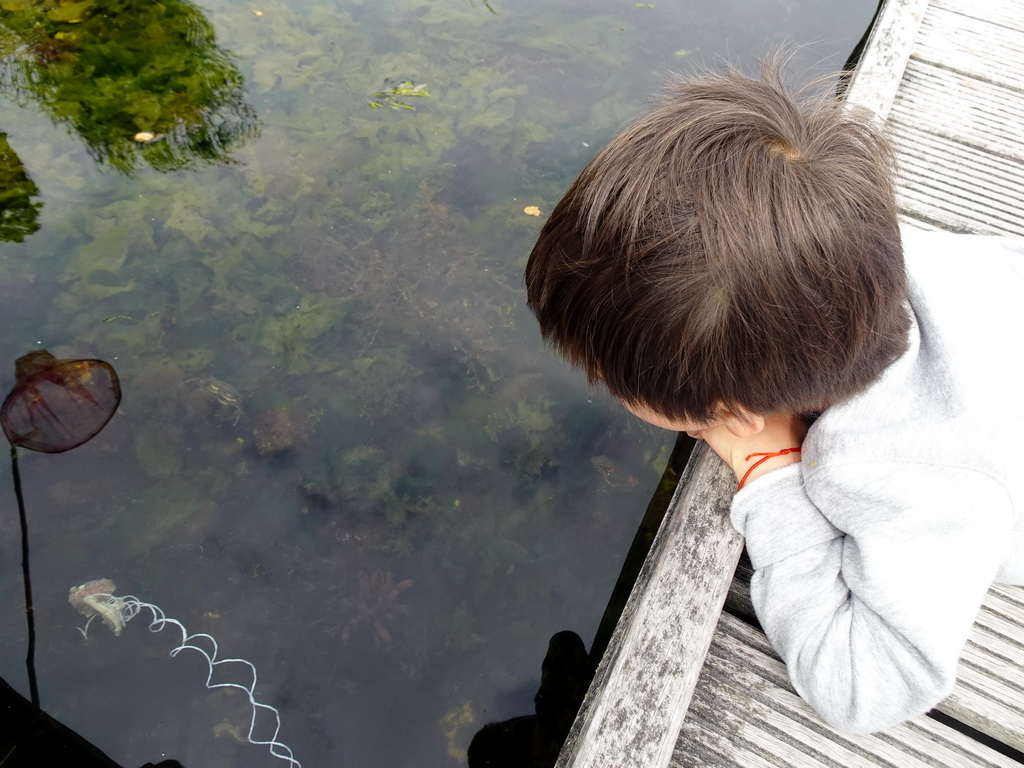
[{"x": 129, "y": 606}]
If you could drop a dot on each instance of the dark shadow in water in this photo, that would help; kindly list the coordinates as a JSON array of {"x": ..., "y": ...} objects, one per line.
[
  {"x": 637, "y": 555},
  {"x": 534, "y": 741},
  {"x": 142, "y": 83},
  {"x": 30, "y": 738}
]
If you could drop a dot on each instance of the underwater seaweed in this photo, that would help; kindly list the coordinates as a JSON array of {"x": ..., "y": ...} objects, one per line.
[{"x": 374, "y": 602}]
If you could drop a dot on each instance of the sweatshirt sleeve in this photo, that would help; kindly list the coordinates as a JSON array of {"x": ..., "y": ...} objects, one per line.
[{"x": 869, "y": 594}]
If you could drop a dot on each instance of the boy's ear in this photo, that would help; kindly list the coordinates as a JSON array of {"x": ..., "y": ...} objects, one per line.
[{"x": 741, "y": 423}]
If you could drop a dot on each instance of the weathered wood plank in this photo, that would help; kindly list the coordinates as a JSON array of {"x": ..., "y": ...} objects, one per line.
[
  {"x": 979, "y": 48},
  {"x": 957, "y": 122},
  {"x": 1007, "y": 12},
  {"x": 990, "y": 680},
  {"x": 636, "y": 704},
  {"x": 978, "y": 114},
  {"x": 746, "y": 713},
  {"x": 956, "y": 186},
  {"x": 989, "y": 695},
  {"x": 877, "y": 78}
]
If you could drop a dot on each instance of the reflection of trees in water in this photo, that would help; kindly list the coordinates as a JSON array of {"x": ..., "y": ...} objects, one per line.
[
  {"x": 143, "y": 83},
  {"x": 18, "y": 214}
]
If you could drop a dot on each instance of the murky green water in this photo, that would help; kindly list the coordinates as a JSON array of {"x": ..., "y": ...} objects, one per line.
[{"x": 342, "y": 450}]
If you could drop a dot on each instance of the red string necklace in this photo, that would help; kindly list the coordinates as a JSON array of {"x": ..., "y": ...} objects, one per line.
[{"x": 759, "y": 462}]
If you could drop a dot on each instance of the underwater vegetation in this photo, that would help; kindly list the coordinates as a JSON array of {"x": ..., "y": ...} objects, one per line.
[{"x": 374, "y": 602}]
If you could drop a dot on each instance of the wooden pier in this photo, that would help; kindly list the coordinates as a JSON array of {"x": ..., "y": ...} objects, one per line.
[{"x": 688, "y": 680}]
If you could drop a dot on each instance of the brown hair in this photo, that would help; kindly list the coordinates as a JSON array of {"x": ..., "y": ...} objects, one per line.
[{"x": 737, "y": 243}]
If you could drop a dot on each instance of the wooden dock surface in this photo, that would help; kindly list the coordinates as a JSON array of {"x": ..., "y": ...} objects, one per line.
[{"x": 684, "y": 683}]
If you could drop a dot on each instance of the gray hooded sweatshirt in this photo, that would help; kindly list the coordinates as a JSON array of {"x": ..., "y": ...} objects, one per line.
[{"x": 872, "y": 555}]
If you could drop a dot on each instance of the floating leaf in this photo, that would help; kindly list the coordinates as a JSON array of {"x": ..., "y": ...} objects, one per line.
[
  {"x": 392, "y": 97},
  {"x": 57, "y": 405}
]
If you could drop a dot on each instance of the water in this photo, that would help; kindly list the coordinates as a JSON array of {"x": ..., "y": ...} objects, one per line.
[{"x": 342, "y": 450}]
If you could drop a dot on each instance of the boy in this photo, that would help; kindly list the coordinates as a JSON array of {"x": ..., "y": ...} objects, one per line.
[{"x": 731, "y": 265}]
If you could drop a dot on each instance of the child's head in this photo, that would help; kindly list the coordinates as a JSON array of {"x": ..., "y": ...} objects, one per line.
[{"x": 733, "y": 245}]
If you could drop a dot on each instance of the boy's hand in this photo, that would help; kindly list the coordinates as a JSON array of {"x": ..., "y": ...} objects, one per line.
[{"x": 780, "y": 431}]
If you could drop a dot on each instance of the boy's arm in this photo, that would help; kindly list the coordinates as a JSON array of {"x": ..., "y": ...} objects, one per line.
[{"x": 868, "y": 579}]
